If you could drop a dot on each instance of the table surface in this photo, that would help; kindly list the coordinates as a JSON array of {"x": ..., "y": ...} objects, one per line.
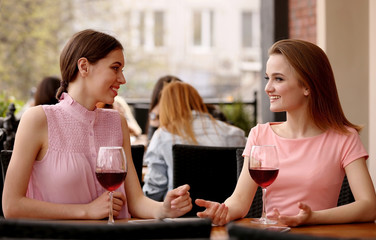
[{"x": 353, "y": 230}]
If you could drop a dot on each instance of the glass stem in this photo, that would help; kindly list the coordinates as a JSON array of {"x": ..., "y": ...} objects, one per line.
[
  {"x": 263, "y": 203},
  {"x": 111, "y": 214}
]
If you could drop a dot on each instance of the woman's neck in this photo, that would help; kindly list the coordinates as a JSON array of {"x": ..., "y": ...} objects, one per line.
[
  {"x": 297, "y": 126},
  {"x": 79, "y": 94}
]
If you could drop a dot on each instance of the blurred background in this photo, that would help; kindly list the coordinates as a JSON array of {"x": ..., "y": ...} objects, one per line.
[
  {"x": 213, "y": 45},
  {"x": 218, "y": 46}
]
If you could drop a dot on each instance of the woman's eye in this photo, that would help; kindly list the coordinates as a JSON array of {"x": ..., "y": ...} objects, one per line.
[
  {"x": 278, "y": 79},
  {"x": 266, "y": 78},
  {"x": 116, "y": 68}
]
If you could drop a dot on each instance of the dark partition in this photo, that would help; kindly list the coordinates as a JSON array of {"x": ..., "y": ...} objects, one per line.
[{"x": 39, "y": 229}]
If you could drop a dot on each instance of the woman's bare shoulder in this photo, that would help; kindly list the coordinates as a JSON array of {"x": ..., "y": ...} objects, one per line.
[{"x": 34, "y": 116}]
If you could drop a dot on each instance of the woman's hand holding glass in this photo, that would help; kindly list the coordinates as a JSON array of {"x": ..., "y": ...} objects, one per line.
[
  {"x": 99, "y": 208},
  {"x": 111, "y": 171}
]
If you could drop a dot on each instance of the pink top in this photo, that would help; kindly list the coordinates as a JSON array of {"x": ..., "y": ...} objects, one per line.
[
  {"x": 66, "y": 174},
  {"x": 311, "y": 170}
]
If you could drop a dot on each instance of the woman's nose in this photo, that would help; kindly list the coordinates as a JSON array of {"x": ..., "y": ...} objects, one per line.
[
  {"x": 268, "y": 87},
  {"x": 121, "y": 78}
]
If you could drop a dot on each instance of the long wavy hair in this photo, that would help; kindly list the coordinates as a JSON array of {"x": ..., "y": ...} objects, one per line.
[
  {"x": 315, "y": 73},
  {"x": 178, "y": 100},
  {"x": 88, "y": 43}
]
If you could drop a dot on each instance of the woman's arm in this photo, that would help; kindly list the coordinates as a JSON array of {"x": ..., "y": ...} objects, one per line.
[
  {"x": 176, "y": 203},
  {"x": 362, "y": 210},
  {"x": 31, "y": 144},
  {"x": 364, "y": 207}
]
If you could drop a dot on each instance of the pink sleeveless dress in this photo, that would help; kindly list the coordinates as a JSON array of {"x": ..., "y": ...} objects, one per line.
[{"x": 66, "y": 174}]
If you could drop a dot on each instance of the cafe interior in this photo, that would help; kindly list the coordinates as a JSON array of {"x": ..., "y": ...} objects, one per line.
[{"x": 346, "y": 31}]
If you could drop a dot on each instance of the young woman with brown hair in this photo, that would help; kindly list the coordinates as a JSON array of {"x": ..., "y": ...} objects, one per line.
[
  {"x": 51, "y": 174},
  {"x": 316, "y": 145}
]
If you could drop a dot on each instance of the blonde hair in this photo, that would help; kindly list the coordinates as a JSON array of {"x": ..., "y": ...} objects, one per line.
[{"x": 178, "y": 100}]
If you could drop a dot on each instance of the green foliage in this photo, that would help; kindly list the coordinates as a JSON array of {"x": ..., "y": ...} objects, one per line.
[
  {"x": 238, "y": 115},
  {"x": 5, "y": 101},
  {"x": 29, "y": 44}
]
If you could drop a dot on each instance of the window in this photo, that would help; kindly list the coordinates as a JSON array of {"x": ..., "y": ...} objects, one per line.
[
  {"x": 141, "y": 29},
  {"x": 247, "y": 29},
  {"x": 158, "y": 28},
  {"x": 203, "y": 28},
  {"x": 148, "y": 29}
]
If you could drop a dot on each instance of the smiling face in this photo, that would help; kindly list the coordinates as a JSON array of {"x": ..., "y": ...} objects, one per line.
[
  {"x": 283, "y": 88},
  {"x": 106, "y": 76}
]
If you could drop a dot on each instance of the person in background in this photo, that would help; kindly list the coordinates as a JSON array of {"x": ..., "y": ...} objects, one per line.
[
  {"x": 153, "y": 122},
  {"x": 29, "y": 103},
  {"x": 53, "y": 176},
  {"x": 46, "y": 91},
  {"x": 184, "y": 119},
  {"x": 122, "y": 106},
  {"x": 316, "y": 145}
]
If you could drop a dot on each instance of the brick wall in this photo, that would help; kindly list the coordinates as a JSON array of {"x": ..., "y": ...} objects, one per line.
[{"x": 302, "y": 20}]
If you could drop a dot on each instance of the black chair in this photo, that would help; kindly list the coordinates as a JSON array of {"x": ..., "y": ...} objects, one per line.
[
  {"x": 42, "y": 229},
  {"x": 5, "y": 156},
  {"x": 138, "y": 159},
  {"x": 241, "y": 232},
  {"x": 256, "y": 208},
  {"x": 345, "y": 195},
  {"x": 210, "y": 171}
]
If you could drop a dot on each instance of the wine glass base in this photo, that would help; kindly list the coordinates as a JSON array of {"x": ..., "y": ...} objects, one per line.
[{"x": 264, "y": 221}]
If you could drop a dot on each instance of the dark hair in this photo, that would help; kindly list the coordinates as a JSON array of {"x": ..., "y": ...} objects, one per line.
[
  {"x": 46, "y": 91},
  {"x": 156, "y": 95},
  {"x": 315, "y": 73},
  {"x": 89, "y": 44}
]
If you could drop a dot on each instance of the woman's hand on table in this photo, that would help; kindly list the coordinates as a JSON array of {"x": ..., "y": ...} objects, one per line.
[
  {"x": 300, "y": 219},
  {"x": 217, "y": 212},
  {"x": 99, "y": 208},
  {"x": 177, "y": 202}
]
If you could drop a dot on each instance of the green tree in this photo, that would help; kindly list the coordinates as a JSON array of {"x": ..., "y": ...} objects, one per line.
[{"x": 29, "y": 44}]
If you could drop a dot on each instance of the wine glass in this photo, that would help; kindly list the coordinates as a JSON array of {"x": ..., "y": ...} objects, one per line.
[
  {"x": 111, "y": 170},
  {"x": 263, "y": 168}
]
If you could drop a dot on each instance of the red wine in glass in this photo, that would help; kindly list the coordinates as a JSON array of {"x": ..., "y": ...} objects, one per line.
[
  {"x": 111, "y": 180},
  {"x": 263, "y": 166},
  {"x": 111, "y": 171},
  {"x": 263, "y": 176}
]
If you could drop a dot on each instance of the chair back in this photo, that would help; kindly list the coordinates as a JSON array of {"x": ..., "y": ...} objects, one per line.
[
  {"x": 43, "y": 229},
  {"x": 345, "y": 195},
  {"x": 256, "y": 208},
  {"x": 210, "y": 171},
  {"x": 138, "y": 159},
  {"x": 5, "y": 156}
]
